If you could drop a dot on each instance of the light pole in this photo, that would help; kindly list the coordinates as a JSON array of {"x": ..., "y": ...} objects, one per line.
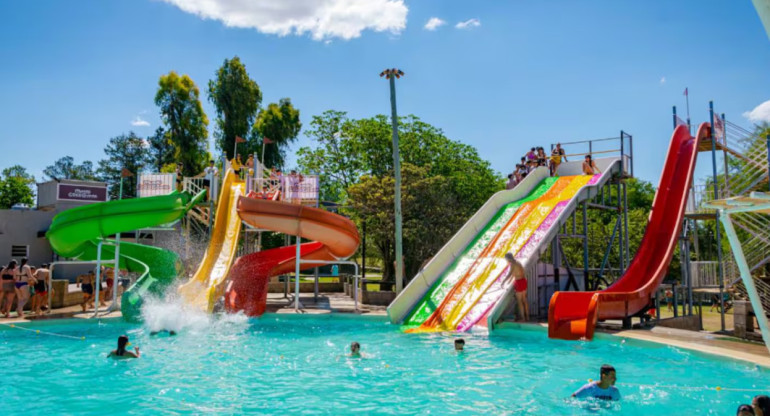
[{"x": 391, "y": 75}]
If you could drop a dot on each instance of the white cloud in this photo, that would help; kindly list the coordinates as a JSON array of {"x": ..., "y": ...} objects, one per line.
[
  {"x": 322, "y": 19},
  {"x": 760, "y": 113},
  {"x": 434, "y": 23},
  {"x": 470, "y": 23},
  {"x": 139, "y": 122},
  {"x": 662, "y": 80}
]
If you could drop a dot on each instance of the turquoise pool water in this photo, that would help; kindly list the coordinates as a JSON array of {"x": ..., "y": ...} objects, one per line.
[{"x": 282, "y": 364}]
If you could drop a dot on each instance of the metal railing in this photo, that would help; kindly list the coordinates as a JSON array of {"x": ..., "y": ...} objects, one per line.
[
  {"x": 621, "y": 146},
  {"x": 704, "y": 274}
]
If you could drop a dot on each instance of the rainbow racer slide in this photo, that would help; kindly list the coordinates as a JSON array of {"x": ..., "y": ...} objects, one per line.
[
  {"x": 573, "y": 315},
  {"x": 75, "y": 233},
  {"x": 464, "y": 285}
]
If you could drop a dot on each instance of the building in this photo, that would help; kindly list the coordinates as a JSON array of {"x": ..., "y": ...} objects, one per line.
[{"x": 22, "y": 230}]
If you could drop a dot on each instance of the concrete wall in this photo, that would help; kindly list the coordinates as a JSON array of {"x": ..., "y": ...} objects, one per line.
[{"x": 21, "y": 227}]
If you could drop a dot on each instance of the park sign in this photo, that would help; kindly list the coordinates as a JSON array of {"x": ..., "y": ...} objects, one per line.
[
  {"x": 81, "y": 193},
  {"x": 153, "y": 184}
]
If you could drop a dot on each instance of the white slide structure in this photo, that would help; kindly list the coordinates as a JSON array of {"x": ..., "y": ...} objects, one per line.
[{"x": 462, "y": 248}]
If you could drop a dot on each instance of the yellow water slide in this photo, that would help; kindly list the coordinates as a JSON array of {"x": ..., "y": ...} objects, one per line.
[{"x": 208, "y": 283}]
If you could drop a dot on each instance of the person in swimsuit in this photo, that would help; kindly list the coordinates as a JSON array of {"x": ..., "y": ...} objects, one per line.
[
  {"x": 355, "y": 350},
  {"x": 121, "y": 352},
  {"x": 459, "y": 344},
  {"x": 237, "y": 165},
  {"x": 604, "y": 389},
  {"x": 556, "y": 158},
  {"x": 589, "y": 166},
  {"x": 516, "y": 272},
  {"x": 43, "y": 278},
  {"x": 23, "y": 280},
  {"x": 8, "y": 275},
  {"x": 179, "y": 177},
  {"x": 761, "y": 405},
  {"x": 109, "y": 278},
  {"x": 542, "y": 159},
  {"x": 86, "y": 283}
]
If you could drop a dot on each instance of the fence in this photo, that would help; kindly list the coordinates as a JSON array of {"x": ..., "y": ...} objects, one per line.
[{"x": 622, "y": 146}]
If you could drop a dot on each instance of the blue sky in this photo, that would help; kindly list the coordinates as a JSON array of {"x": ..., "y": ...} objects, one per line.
[{"x": 530, "y": 72}]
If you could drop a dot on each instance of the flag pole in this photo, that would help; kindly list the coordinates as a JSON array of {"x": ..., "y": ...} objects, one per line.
[
  {"x": 687, "y": 100},
  {"x": 263, "y": 151}
]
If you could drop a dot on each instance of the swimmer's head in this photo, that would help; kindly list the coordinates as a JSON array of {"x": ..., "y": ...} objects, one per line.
[
  {"x": 355, "y": 347},
  {"x": 607, "y": 373},
  {"x": 459, "y": 344}
]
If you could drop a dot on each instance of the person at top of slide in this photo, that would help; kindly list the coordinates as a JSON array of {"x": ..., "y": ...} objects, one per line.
[
  {"x": 604, "y": 389},
  {"x": 589, "y": 166},
  {"x": 121, "y": 352}
]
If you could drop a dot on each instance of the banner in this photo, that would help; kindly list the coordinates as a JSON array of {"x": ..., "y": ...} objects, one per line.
[
  {"x": 66, "y": 192},
  {"x": 300, "y": 187},
  {"x": 153, "y": 184}
]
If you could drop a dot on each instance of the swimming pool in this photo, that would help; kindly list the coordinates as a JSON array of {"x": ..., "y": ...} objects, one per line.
[{"x": 295, "y": 364}]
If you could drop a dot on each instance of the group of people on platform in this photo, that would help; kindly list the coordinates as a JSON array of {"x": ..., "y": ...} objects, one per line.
[
  {"x": 21, "y": 283},
  {"x": 536, "y": 157}
]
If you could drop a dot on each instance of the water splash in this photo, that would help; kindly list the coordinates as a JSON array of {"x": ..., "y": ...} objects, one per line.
[{"x": 171, "y": 313}]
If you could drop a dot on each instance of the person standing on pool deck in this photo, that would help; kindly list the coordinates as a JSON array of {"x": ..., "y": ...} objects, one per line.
[
  {"x": 516, "y": 272},
  {"x": 604, "y": 389},
  {"x": 23, "y": 280},
  {"x": 42, "y": 276},
  {"x": 761, "y": 405},
  {"x": 121, "y": 351},
  {"x": 86, "y": 283},
  {"x": 8, "y": 275}
]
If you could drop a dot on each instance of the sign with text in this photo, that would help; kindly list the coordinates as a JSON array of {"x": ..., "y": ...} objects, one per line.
[
  {"x": 300, "y": 187},
  {"x": 81, "y": 193},
  {"x": 154, "y": 184}
]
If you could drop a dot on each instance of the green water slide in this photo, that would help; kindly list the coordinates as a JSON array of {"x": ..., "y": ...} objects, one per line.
[
  {"x": 455, "y": 271},
  {"x": 76, "y": 234}
]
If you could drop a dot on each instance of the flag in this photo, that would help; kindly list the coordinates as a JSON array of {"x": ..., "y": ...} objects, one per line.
[
  {"x": 265, "y": 140},
  {"x": 680, "y": 122},
  {"x": 125, "y": 173},
  {"x": 239, "y": 139},
  {"x": 685, "y": 92},
  {"x": 719, "y": 127}
]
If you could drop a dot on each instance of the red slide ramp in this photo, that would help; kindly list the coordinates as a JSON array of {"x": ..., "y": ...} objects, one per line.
[
  {"x": 573, "y": 315},
  {"x": 336, "y": 238}
]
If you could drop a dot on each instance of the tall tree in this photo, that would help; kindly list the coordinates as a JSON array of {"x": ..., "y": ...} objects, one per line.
[
  {"x": 347, "y": 150},
  {"x": 66, "y": 168},
  {"x": 16, "y": 187},
  {"x": 236, "y": 97},
  {"x": 124, "y": 151},
  {"x": 161, "y": 151},
  {"x": 280, "y": 124},
  {"x": 182, "y": 112}
]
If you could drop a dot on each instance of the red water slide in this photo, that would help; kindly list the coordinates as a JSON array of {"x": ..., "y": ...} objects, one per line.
[
  {"x": 573, "y": 315},
  {"x": 336, "y": 238}
]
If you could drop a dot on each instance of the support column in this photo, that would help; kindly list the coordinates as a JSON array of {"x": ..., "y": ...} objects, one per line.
[
  {"x": 748, "y": 281},
  {"x": 98, "y": 282}
]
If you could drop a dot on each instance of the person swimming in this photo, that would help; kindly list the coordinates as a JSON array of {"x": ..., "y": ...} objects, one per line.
[
  {"x": 459, "y": 344},
  {"x": 121, "y": 352},
  {"x": 163, "y": 331},
  {"x": 355, "y": 350}
]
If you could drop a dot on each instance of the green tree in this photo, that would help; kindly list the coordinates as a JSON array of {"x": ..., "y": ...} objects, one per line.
[
  {"x": 66, "y": 168},
  {"x": 431, "y": 214},
  {"x": 124, "y": 152},
  {"x": 280, "y": 123},
  {"x": 347, "y": 150},
  {"x": 236, "y": 97},
  {"x": 16, "y": 187},
  {"x": 160, "y": 150},
  {"x": 182, "y": 113}
]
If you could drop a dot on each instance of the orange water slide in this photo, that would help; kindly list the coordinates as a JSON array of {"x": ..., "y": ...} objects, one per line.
[
  {"x": 335, "y": 238},
  {"x": 573, "y": 315}
]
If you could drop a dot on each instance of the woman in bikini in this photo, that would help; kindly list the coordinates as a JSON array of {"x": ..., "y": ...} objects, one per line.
[
  {"x": 23, "y": 281},
  {"x": 516, "y": 272},
  {"x": 121, "y": 352},
  {"x": 8, "y": 275},
  {"x": 42, "y": 277},
  {"x": 589, "y": 166}
]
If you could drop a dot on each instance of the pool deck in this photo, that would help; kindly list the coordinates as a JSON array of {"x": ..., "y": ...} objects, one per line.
[{"x": 706, "y": 342}]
